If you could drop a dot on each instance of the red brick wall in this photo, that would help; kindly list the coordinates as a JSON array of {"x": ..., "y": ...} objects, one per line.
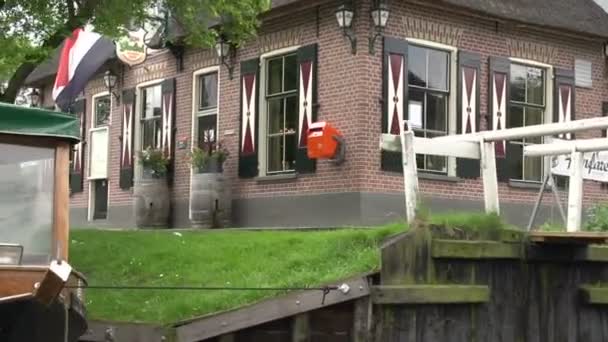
[{"x": 349, "y": 93}]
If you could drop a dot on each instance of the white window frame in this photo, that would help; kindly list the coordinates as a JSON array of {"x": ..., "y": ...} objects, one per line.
[
  {"x": 195, "y": 101},
  {"x": 263, "y": 109},
  {"x": 138, "y": 171},
  {"x": 92, "y": 129},
  {"x": 453, "y": 95},
  {"x": 548, "y": 117}
]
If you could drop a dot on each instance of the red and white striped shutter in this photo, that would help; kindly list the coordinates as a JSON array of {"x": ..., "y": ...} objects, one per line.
[
  {"x": 77, "y": 170},
  {"x": 468, "y": 117},
  {"x": 499, "y": 85},
  {"x": 248, "y": 156},
  {"x": 126, "y": 144},
  {"x": 395, "y": 97},
  {"x": 307, "y": 109},
  {"x": 167, "y": 117},
  {"x": 564, "y": 98}
]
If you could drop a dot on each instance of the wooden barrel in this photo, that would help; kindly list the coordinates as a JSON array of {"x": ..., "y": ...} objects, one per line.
[
  {"x": 210, "y": 200},
  {"x": 151, "y": 203}
]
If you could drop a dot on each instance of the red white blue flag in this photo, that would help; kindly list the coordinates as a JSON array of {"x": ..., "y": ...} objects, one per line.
[{"x": 83, "y": 54}]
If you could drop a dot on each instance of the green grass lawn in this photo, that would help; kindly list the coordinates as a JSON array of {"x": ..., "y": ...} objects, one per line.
[{"x": 212, "y": 258}]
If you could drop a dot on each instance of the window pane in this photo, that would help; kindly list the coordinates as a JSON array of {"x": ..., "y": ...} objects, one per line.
[
  {"x": 290, "y": 152},
  {"x": 436, "y": 163},
  {"x": 534, "y": 116},
  {"x": 515, "y": 118},
  {"x": 436, "y": 112},
  {"x": 151, "y": 132},
  {"x": 275, "y": 76},
  {"x": 416, "y": 66},
  {"x": 26, "y": 187},
  {"x": 518, "y": 83},
  {"x": 291, "y": 114},
  {"x": 208, "y": 91},
  {"x": 535, "y": 86},
  {"x": 438, "y": 69},
  {"x": 275, "y": 116},
  {"x": 533, "y": 167},
  {"x": 416, "y": 108},
  {"x": 207, "y": 130},
  {"x": 275, "y": 154},
  {"x": 152, "y": 102},
  {"x": 102, "y": 111},
  {"x": 517, "y": 165},
  {"x": 291, "y": 73}
]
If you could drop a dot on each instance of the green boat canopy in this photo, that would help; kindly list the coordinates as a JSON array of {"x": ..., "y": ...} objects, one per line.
[{"x": 38, "y": 122}]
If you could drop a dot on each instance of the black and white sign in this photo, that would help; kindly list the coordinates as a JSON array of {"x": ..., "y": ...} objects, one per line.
[{"x": 595, "y": 166}]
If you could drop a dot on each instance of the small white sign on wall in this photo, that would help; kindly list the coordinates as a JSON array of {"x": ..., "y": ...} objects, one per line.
[{"x": 595, "y": 166}]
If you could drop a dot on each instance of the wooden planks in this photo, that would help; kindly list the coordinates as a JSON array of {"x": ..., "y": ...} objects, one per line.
[
  {"x": 266, "y": 311},
  {"x": 594, "y": 294},
  {"x": 61, "y": 202},
  {"x": 572, "y": 238},
  {"x": 464, "y": 249},
  {"x": 102, "y": 331},
  {"x": 430, "y": 294}
]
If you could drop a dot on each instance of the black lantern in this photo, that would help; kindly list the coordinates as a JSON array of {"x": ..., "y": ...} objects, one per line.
[
  {"x": 34, "y": 98},
  {"x": 345, "y": 16},
  {"x": 380, "y": 14},
  {"x": 109, "y": 80},
  {"x": 225, "y": 52}
]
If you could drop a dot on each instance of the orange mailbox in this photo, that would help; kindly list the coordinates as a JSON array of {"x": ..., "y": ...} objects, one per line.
[{"x": 324, "y": 141}]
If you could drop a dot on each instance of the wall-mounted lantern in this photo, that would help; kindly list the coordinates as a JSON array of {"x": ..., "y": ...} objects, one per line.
[
  {"x": 34, "y": 98},
  {"x": 345, "y": 15},
  {"x": 226, "y": 52},
  {"x": 380, "y": 14},
  {"x": 109, "y": 80}
]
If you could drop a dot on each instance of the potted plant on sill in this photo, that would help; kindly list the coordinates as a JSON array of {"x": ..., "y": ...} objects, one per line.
[
  {"x": 151, "y": 202},
  {"x": 210, "y": 193}
]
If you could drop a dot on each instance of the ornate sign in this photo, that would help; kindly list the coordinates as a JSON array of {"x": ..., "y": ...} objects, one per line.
[{"x": 131, "y": 49}]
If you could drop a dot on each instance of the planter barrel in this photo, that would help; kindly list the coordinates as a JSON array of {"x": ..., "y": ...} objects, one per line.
[
  {"x": 152, "y": 204},
  {"x": 210, "y": 200}
]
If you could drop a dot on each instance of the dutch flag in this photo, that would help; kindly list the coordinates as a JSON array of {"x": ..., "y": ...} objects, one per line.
[{"x": 83, "y": 54}]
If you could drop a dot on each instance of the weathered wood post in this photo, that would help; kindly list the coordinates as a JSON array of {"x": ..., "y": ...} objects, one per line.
[{"x": 410, "y": 175}]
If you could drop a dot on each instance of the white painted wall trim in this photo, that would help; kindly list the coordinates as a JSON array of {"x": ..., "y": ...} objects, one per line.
[
  {"x": 137, "y": 171},
  {"x": 263, "y": 108},
  {"x": 90, "y": 180},
  {"x": 453, "y": 97}
]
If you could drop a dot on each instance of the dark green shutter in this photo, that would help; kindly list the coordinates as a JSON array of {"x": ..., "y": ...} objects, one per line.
[
  {"x": 394, "y": 76},
  {"x": 77, "y": 167},
  {"x": 167, "y": 143},
  {"x": 248, "y": 137},
  {"x": 467, "y": 120},
  {"x": 126, "y": 139},
  {"x": 498, "y": 109},
  {"x": 307, "y": 109},
  {"x": 564, "y": 98}
]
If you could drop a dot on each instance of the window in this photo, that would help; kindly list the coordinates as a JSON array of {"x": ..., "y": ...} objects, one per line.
[
  {"x": 206, "y": 113},
  {"x": 282, "y": 113},
  {"x": 151, "y": 120},
  {"x": 102, "y": 111},
  {"x": 527, "y": 107},
  {"x": 429, "y": 90}
]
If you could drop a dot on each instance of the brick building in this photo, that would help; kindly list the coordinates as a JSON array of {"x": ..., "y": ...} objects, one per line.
[{"x": 446, "y": 66}]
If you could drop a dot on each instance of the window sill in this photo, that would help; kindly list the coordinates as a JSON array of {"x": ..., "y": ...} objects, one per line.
[
  {"x": 285, "y": 177},
  {"x": 436, "y": 177},
  {"x": 524, "y": 185}
]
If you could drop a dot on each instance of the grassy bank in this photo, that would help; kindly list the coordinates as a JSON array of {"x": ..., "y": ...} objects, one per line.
[{"x": 214, "y": 258}]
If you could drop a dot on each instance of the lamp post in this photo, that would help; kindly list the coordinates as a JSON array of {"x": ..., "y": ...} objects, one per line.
[
  {"x": 225, "y": 52},
  {"x": 345, "y": 16},
  {"x": 109, "y": 80},
  {"x": 380, "y": 14}
]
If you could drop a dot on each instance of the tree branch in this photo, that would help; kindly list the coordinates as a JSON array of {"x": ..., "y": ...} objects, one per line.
[{"x": 16, "y": 82}]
